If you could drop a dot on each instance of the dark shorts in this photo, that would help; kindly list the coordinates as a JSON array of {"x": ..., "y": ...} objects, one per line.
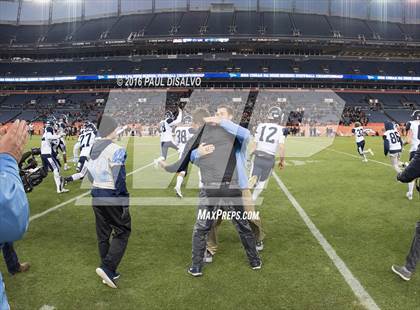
[
  {"x": 262, "y": 167},
  {"x": 50, "y": 162},
  {"x": 412, "y": 154}
]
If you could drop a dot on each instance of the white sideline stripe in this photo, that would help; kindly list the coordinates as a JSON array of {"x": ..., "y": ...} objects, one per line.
[
  {"x": 355, "y": 156},
  {"x": 357, "y": 288},
  {"x": 36, "y": 216}
]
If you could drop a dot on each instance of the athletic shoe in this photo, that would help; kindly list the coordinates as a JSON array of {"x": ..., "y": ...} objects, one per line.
[
  {"x": 252, "y": 181},
  {"x": 195, "y": 271},
  {"x": 409, "y": 196},
  {"x": 365, "y": 160},
  {"x": 115, "y": 278},
  {"x": 371, "y": 152},
  {"x": 107, "y": 276},
  {"x": 208, "y": 257},
  {"x": 66, "y": 167},
  {"x": 178, "y": 192},
  {"x": 260, "y": 246},
  {"x": 23, "y": 267},
  {"x": 257, "y": 265},
  {"x": 64, "y": 190},
  {"x": 402, "y": 272},
  {"x": 156, "y": 162}
]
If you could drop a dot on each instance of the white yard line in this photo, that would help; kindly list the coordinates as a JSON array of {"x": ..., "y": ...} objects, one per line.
[
  {"x": 358, "y": 157},
  {"x": 59, "y": 206},
  {"x": 357, "y": 288}
]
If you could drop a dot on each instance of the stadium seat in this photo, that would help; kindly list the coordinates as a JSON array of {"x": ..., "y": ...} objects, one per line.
[
  {"x": 312, "y": 25},
  {"x": 219, "y": 23},
  {"x": 191, "y": 23},
  {"x": 130, "y": 24},
  {"x": 92, "y": 30},
  {"x": 164, "y": 24},
  {"x": 277, "y": 24},
  {"x": 350, "y": 27},
  {"x": 248, "y": 23}
]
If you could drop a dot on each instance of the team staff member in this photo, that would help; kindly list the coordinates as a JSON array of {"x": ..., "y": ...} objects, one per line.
[
  {"x": 14, "y": 208},
  {"x": 409, "y": 174},
  {"x": 110, "y": 199},
  {"x": 217, "y": 161},
  {"x": 223, "y": 118},
  {"x": 222, "y": 183}
]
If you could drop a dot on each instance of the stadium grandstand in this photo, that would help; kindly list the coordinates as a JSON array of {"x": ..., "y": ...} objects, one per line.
[{"x": 366, "y": 51}]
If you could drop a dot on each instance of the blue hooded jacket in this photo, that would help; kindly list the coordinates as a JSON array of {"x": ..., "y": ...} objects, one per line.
[{"x": 14, "y": 209}]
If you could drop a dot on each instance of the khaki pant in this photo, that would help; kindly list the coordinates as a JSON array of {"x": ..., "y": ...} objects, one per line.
[{"x": 256, "y": 225}]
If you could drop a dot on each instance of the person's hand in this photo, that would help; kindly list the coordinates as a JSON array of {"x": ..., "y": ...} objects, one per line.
[
  {"x": 14, "y": 140},
  {"x": 282, "y": 164},
  {"x": 205, "y": 149},
  {"x": 213, "y": 120}
]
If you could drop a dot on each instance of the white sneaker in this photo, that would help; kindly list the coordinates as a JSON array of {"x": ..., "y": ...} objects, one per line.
[
  {"x": 208, "y": 257},
  {"x": 64, "y": 190},
  {"x": 370, "y": 151},
  {"x": 252, "y": 181},
  {"x": 409, "y": 196},
  {"x": 66, "y": 167},
  {"x": 365, "y": 160},
  {"x": 178, "y": 192},
  {"x": 156, "y": 161},
  {"x": 260, "y": 246}
]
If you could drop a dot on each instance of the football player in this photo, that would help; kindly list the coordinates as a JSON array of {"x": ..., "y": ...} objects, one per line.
[
  {"x": 197, "y": 122},
  {"x": 413, "y": 132},
  {"x": 49, "y": 157},
  {"x": 166, "y": 138},
  {"x": 393, "y": 145},
  {"x": 359, "y": 133},
  {"x": 86, "y": 140},
  {"x": 269, "y": 137},
  {"x": 61, "y": 129},
  {"x": 183, "y": 133},
  {"x": 76, "y": 147}
]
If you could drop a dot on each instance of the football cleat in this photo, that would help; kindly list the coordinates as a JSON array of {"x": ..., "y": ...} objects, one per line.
[
  {"x": 409, "y": 196},
  {"x": 371, "y": 152},
  {"x": 157, "y": 160},
  {"x": 178, "y": 192}
]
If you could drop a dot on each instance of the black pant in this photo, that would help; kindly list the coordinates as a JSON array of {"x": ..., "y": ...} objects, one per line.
[
  {"x": 229, "y": 200},
  {"x": 414, "y": 254},
  {"x": 113, "y": 220},
  {"x": 10, "y": 257}
]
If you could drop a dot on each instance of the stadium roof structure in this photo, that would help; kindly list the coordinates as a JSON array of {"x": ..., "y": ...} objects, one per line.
[{"x": 55, "y": 11}]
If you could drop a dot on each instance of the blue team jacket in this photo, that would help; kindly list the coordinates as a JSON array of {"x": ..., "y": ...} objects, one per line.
[{"x": 14, "y": 209}]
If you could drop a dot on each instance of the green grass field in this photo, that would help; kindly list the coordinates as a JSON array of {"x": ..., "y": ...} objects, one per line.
[{"x": 360, "y": 209}]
